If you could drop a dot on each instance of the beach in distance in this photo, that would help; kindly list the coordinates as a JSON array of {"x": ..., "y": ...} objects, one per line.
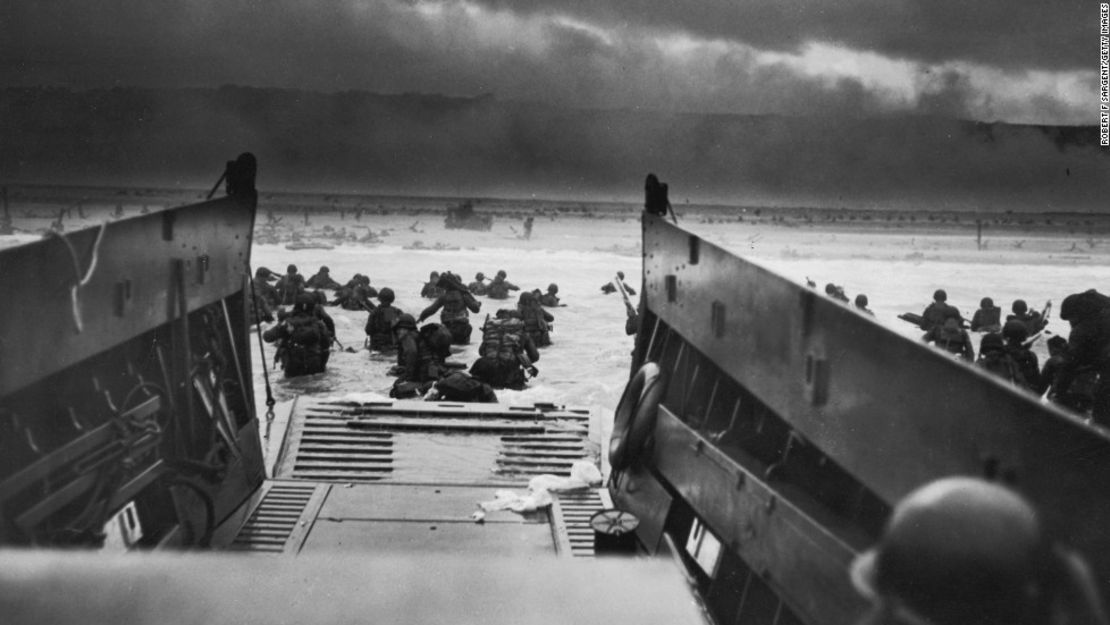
[{"x": 896, "y": 258}]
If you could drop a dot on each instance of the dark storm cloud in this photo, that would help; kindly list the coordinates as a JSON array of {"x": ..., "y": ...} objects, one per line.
[
  {"x": 717, "y": 57},
  {"x": 1002, "y": 33}
]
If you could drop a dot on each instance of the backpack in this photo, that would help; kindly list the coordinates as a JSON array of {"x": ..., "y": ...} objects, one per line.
[
  {"x": 459, "y": 386},
  {"x": 437, "y": 339},
  {"x": 381, "y": 320},
  {"x": 306, "y": 331},
  {"x": 501, "y": 338},
  {"x": 536, "y": 326},
  {"x": 1002, "y": 364}
]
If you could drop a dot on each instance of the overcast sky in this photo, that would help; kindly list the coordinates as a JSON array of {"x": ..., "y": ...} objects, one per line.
[{"x": 1013, "y": 60}]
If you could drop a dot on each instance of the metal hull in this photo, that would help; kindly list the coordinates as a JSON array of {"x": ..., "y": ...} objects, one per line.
[
  {"x": 124, "y": 379},
  {"x": 792, "y": 424}
]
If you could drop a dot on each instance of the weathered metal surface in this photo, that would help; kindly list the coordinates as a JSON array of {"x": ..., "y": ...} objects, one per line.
[
  {"x": 282, "y": 518},
  {"x": 436, "y": 442},
  {"x": 124, "y": 378},
  {"x": 799, "y": 550},
  {"x": 639, "y": 492},
  {"x": 128, "y": 289},
  {"x": 570, "y": 520},
  {"x": 418, "y": 518},
  {"x": 892, "y": 412}
]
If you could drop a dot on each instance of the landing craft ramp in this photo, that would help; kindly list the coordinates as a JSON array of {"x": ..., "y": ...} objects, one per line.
[{"x": 385, "y": 475}]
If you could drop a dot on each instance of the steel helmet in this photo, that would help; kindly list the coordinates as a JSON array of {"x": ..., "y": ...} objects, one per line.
[
  {"x": 386, "y": 296},
  {"x": 991, "y": 343},
  {"x": 1020, "y": 307},
  {"x": 940, "y": 295},
  {"x": 958, "y": 550},
  {"x": 1015, "y": 330},
  {"x": 553, "y": 288},
  {"x": 404, "y": 321},
  {"x": 479, "y": 276},
  {"x": 305, "y": 301}
]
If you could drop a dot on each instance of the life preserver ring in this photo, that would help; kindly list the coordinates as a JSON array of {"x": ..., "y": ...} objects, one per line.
[{"x": 634, "y": 421}]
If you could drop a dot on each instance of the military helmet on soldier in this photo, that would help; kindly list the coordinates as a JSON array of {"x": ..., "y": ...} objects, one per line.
[
  {"x": 959, "y": 551},
  {"x": 305, "y": 301},
  {"x": 991, "y": 343},
  {"x": 1015, "y": 331},
  {"x": 405, "y": 321}
]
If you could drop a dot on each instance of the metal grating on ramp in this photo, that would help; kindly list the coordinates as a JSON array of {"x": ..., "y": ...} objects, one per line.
[
  {"x": 545, "y": 452},
  {"x": 279, "y": 522},
  {"x": 415, "y": 441},
  {"x": 570, "y": 520},
  {"x": 329, "y": 450}
]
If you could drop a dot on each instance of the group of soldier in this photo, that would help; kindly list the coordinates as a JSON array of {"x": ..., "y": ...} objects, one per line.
[
  {"x": 836, "y": 292},
  {"x": 1076, "y": 374},
  {"x": 507, "y": 353}
]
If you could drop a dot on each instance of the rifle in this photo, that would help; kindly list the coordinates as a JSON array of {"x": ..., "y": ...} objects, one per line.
[
  {"x": 1045, "y": 312},
  {"x": 632, "y": 324},
  {"x": 629, "y": 308}
]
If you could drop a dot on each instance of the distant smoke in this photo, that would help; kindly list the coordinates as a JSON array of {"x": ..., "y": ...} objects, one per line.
[{"x": 416, "y": 144}]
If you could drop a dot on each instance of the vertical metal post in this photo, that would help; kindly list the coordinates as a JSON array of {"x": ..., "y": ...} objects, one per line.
[{"x": 232, "y": 342}]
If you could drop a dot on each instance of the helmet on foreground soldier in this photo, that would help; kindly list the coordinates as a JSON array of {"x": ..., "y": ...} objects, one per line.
[
  {"x": 386, "y": 296},
  {"x": 1015, "y": 331},
  {"x": 963, "y": 551},
  {"x": 991, "y": 343},
  {"x": 405, "y": 321},
  {"x": 1081, "y": 306},
  {"x": 940, "y": 295},
  {"x": 1020, "y": 307},
  {"x": 479, "y": 276},
  {"x": 305, "y": 301},
  {"x": 448, "y": 280},
  {"x": 501, "y": 274},
  {"x": 553, "y": 288}
]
